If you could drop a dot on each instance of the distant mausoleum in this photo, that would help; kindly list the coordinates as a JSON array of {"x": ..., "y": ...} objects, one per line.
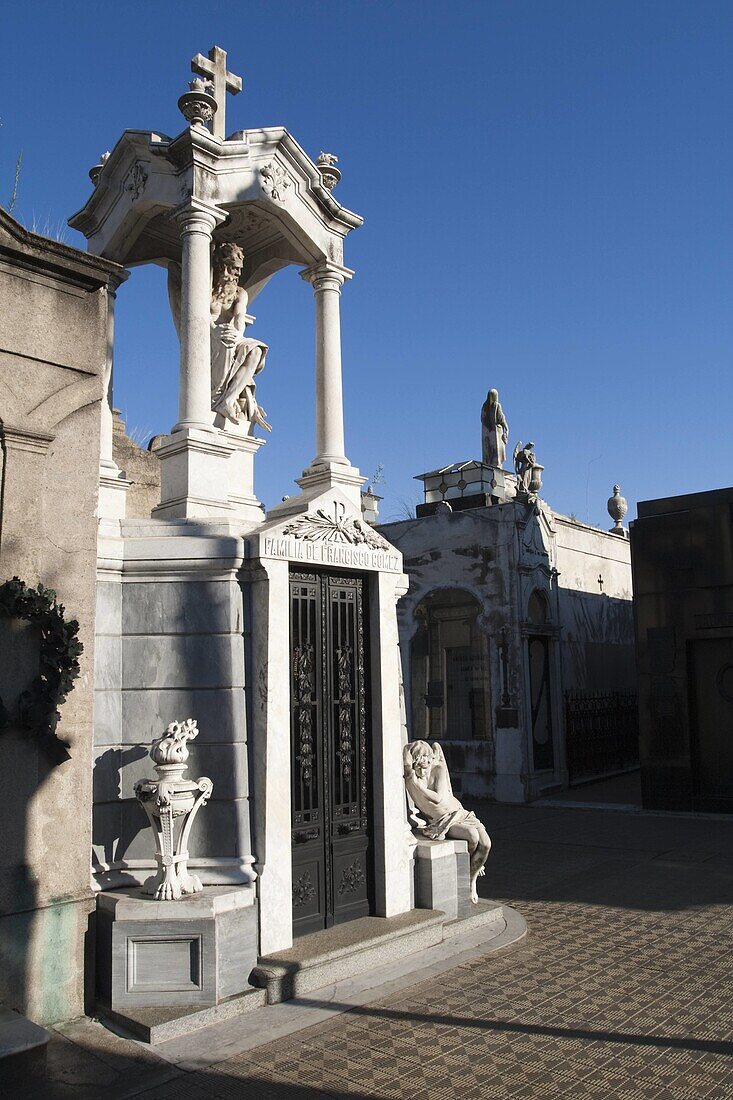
[{"x": 516, "y": 633}]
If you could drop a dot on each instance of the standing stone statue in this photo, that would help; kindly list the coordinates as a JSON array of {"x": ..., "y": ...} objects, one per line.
[
  {"x": 428, "y": 784},
  {"x": 235, "y": 358},
  {"x": 494, "y": 431}
]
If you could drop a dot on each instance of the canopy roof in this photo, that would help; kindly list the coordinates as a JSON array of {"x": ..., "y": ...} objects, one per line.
[{"x": 279, "y": 210}]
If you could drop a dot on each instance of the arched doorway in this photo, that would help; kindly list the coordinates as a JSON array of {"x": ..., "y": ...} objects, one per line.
[{"x": 450, "y": 683}]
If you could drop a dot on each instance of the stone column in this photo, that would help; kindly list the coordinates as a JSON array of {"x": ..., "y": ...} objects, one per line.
[
  {"x": 197, "y": 222},
  {"x": 327, "y": 278},
  {"x": 194, "y": 458},
  {"x": 393, "y": 841},
  {"x": 113, "y": 485}
]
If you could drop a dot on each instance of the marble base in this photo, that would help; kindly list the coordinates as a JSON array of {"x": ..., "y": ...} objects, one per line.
[
  {"x": 196, "y": 951},
  {"x": 442, "y": 877},
  {"x": 194, "y": 475}
]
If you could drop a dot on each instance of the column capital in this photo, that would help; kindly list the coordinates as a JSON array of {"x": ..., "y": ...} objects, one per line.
[
  {"x": 194, "y": 213},
  {"x": 326, "y": 275}
]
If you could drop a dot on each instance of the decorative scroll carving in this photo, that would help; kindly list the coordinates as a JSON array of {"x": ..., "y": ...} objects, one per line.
[
  {"x": 320, "y": 527},
  {"x": 352, "y": 877},
  {"x": 137, "y": 180},
  {"x": 303, "y": 890},
  {"x": 303, "y": 668},
  {"x": 344, "y": 666},
  {"x": 275, "y": 181}
]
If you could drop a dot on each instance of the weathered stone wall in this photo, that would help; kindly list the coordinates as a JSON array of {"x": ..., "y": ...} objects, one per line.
[
  {"x": 53, "y": 351},
  {"x": 596, "y": 611},
  {"x": 140, "y": 467}
]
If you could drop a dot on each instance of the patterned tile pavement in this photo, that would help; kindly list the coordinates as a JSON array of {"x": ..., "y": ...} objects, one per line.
[{"x": 621, "y": 990}]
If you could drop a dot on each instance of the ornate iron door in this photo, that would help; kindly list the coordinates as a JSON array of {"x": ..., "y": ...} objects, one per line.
[{"x": 330, "y": 767}]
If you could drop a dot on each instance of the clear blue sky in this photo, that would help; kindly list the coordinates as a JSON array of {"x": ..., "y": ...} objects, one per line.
[{"x": 546, "y": 189}]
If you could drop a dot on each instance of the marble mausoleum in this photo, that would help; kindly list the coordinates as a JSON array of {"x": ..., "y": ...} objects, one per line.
[
  {"x": 514, "y": 614},
  {"x": 257, "y": 650}
]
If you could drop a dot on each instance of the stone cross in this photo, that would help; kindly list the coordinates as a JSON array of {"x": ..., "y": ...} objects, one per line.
[{"x": 215, "y": 69}]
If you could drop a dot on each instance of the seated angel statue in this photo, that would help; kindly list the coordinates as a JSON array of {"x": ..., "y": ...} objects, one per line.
[
  {"x": 235, "y": 358},
  {"x": 428, "y": 784}
]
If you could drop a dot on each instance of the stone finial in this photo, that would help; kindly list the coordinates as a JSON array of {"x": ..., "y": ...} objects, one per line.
[
  {"x": 96, "y": 171},
  {"x": 198, "y": 106},
  {"x": 330, "y": 174},
  {"x": 171, "y": 803},
  {"x": 370, "y": 506},
  {"x": 617, "y": 509}
]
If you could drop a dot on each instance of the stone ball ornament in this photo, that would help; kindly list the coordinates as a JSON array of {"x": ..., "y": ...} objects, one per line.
[{"x": 171, "y": 803}]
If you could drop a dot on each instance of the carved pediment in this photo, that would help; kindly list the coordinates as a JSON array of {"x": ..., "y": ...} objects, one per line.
[{"x": 318, "y": 526}]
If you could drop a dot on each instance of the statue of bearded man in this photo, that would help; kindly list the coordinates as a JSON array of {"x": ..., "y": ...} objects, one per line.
[{"x": 235, "y": 358}]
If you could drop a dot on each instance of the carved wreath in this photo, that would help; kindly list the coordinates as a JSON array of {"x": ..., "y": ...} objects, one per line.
[
  {"x": 59, "y": 663},
  {"x": 320, "y": 527}
]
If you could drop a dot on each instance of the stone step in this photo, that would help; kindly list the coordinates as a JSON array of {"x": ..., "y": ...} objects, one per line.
[
  {"x": 323, "y": 958},
  {"x": 23, "y": 1047},
  {"x": 157, "y": 1025},
  {"x": 483, "y": 913}
]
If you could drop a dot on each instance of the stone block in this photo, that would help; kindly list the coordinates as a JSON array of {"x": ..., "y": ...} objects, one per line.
[
  {"x": 182, "y": 607},
  {"x": 23, "y": 1047},
  {"x": 225, "y": 765},
  {"x": 107, "y": 663},
  {"x": 442, "y": 878},
  {"x": 194, "y": 661},
  {"x": 219, "y": 713},
  {"x": 196, "y": 951},
  {"x": 108, "y": 610},
  {"x": 107, "y": 717}
]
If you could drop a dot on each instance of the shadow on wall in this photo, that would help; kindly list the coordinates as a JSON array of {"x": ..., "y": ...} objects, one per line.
[{"x": 183, "y": 658}]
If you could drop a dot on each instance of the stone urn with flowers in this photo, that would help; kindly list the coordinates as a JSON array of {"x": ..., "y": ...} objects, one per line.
[{"x": 171, "y": 803}]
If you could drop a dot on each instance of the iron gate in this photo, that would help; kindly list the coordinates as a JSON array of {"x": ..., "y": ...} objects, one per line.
[
  {"x": 330, "y": 766},
  {"x": 602, "y": 733}
]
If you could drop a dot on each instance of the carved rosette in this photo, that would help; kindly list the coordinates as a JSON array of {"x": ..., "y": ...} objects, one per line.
[
  {"x": 275, "y": 181},
  {"x": 303, "y": 890},
  {"x": 352, "y": 877}
]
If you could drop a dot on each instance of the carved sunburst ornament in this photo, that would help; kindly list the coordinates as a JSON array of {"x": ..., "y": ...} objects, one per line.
[{"x": 320, "y": 527}]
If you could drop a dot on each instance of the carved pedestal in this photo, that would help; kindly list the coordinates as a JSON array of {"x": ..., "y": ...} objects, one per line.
[
  {"x": 196, "y": 951},
  {"x": 442, "y": 878}
]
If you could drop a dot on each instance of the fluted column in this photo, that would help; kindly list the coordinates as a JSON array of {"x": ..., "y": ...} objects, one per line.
[
  {"x": 327, "y": 278},
  {"x": 196, "y": 221}
]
